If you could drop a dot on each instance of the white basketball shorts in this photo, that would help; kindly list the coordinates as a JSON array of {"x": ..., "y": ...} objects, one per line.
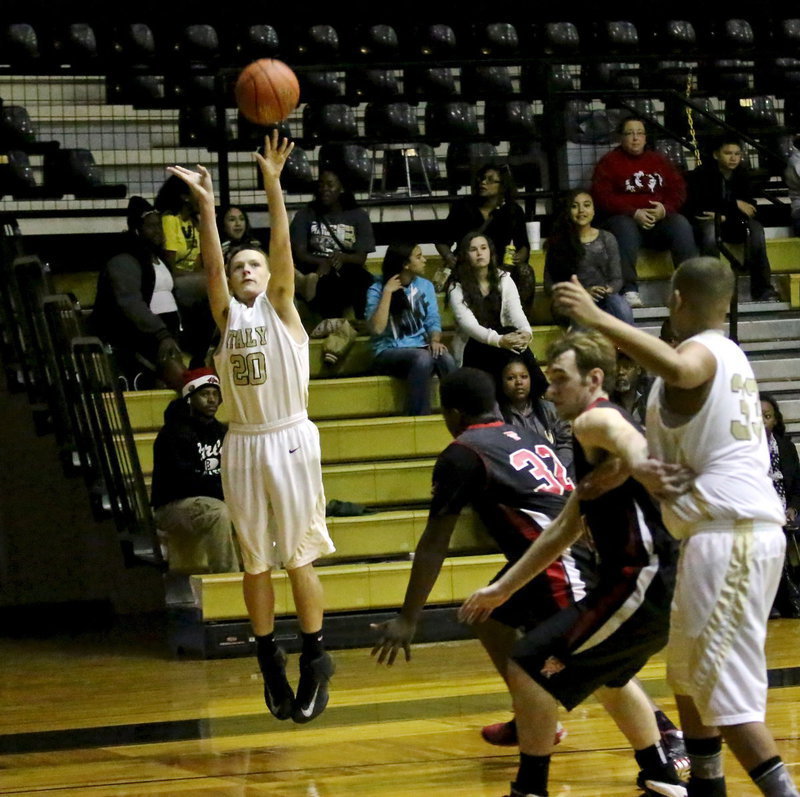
[
  {"x": 272, "y": 481},
  {"x": 726, "y": 583}
]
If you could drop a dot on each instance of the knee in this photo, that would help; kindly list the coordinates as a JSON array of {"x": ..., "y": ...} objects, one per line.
[
  {"x": 622, "y": 225},
  {"x": 756, "y": 231},
  {"x": 444, "y": 364},
  {"x": 706, "y": 237},
  {"x": 678, "y": 225},
  {"x": 420, "y": 362}
]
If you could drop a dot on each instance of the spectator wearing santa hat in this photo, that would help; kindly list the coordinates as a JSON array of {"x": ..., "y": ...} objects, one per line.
[{"x": 187, "y": 486}]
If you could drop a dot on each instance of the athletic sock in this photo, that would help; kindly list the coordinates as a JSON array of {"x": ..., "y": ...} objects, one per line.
[
  {"x": 533, "y": 774},
  {"x": 278, "y": 694},
  {"x": 664, "y": 722},
  {"x": 772, "y": 778},
  {"x": 707, "y": 779},
  {"x": 266, "y": 648},
  {"x": 313, "y": 646},
  {"x": 655, "y": 764}
]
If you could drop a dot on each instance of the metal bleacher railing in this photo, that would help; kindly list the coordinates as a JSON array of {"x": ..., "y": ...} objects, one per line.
[{"x": 75, "y": 392}]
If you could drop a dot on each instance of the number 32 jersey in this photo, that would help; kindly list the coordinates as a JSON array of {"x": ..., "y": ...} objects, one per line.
[
  {"x": 724, "y": 444},
  {"x": 510, "y": 476},
  {"x": 263, "y": 371}
]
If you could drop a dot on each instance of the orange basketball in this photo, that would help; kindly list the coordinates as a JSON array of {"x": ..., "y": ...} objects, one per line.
[{"x": 267, "y": 91}]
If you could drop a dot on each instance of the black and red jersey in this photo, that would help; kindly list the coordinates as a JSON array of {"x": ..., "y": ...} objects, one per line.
[
  {"x": 511, "y": 477},
  {"x": 624, "y": 523}
]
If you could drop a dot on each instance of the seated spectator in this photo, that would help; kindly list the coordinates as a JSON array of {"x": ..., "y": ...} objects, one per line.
[
  {"x": 521, "y": 406},
  {"x": 490, "y": 324},
  {"x": 235, "y": 230},
  {"x": 791, "y": 176},
  {"x": 632, "y": 387},
  {"x": 403, "y": 318},
  {"x": 331, "y": 237},
  {"x": 187, "y": 486},
  {"x": 784, "y": 461},
  {"x": 493, "y": 210},
  {"x": 640, "y": 193},
  {"x": 576, "y": 247},
  {"x": 182, "y": 255},
  {"x": 784, "y": 467},
  {"x": 722, "y": 185},
  {"x": 135, "y": 310},
  {"x": 179, "y": 216}
]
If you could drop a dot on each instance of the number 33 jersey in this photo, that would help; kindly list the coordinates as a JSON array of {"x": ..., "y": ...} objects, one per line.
[
  {"x": 263, "y": 371},
  {"x": 510, "y": 476},
  {"x": 724, "y": 444}
]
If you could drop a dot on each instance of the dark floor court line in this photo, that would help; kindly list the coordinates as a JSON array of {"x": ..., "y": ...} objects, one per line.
[{"x": 205, "y": 728}]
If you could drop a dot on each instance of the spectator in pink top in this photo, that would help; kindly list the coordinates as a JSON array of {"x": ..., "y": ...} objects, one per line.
[{"x": 640, "y": 193}]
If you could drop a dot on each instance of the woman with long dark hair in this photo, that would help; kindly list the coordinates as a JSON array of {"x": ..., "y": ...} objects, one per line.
[
  {"x": 576, "y": 247},
  {"x": 491, "y": 326},
  {"x": 234, "y": 228},
  {"x": 493, "y": 210},
  {"x": 403, "y": 317}
]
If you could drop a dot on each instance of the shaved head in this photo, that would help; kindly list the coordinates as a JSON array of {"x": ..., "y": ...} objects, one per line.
[{"x": 704, "y": 282}]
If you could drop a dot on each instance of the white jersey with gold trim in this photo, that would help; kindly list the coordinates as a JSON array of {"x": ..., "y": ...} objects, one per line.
[
  {"x": 263, "y": 371},
  {"x": 724, "y": 443}
]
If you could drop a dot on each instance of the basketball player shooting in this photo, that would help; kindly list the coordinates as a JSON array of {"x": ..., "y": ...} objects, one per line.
[
  {"x": 704, "y": 412},
  {"x": 271, "y": 462}
]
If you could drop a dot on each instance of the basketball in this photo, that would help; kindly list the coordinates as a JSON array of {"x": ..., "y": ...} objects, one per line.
[{"x": 267, "y": 91}]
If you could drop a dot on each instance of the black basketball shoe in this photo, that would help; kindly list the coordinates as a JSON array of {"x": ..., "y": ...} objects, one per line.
[
  {"x": 312, "y": 691},
  {"x": 278, "y": 694}
]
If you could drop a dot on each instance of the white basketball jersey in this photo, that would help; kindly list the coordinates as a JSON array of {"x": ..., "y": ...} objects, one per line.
[
  {"x": 263, "y": 371},
  {"x": 724, "y": 443}
]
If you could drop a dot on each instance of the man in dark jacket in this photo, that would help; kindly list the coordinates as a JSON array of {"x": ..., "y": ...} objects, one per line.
[
  {"x": 722, "y": 185},
  {"x": 187, "y": 486}
]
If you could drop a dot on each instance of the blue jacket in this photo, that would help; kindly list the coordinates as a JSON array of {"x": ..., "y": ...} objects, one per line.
[{"x": 412, "y": 330}]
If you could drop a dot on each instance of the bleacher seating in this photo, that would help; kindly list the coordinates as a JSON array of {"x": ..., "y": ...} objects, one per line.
[{"x": 138, "y": 96}]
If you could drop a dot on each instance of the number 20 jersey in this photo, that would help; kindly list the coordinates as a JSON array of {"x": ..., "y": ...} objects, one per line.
[
  {"x": 724, "y": 444},
  {"x": 263, "y": 371}
]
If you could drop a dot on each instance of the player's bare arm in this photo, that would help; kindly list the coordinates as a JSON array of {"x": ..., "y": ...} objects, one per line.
[
  {"x": 687, "y": 368},
  {"x": 604, "y": 433},
  {"x": 280, "y": 290},
  {"x": 550, "y": 544},
  {"x": 202, "y": 188},
  {"x": 396, "y": 634}
]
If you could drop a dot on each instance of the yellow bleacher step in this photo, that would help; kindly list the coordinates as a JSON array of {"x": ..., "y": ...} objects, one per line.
[
  {"x": 372, "y": 483},
  {"x": 393, "y": 533},
  {"x": 356, "y": 587},
  {"x": 382, "y": 438},
  {"x": 399, "y": 482},
  {"x": 355, "y": 440},
  {"x": 82, "y": 284},
  {"x": 345, "y": 397}
]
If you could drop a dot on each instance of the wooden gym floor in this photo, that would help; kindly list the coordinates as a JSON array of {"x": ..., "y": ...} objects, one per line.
[{"x": 114, "y": 714}]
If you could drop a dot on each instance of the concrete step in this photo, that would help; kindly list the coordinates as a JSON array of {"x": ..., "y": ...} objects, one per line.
[{"x": 776, "y": 370}]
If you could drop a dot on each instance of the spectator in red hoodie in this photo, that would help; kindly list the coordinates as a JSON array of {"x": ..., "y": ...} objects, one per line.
[{"x": 640, "y": 192}]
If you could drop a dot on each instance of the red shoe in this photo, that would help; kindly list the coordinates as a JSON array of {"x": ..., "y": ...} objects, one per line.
[
  {"x": 501, "y": 734},
  {"x": 504, "y": 734}
]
